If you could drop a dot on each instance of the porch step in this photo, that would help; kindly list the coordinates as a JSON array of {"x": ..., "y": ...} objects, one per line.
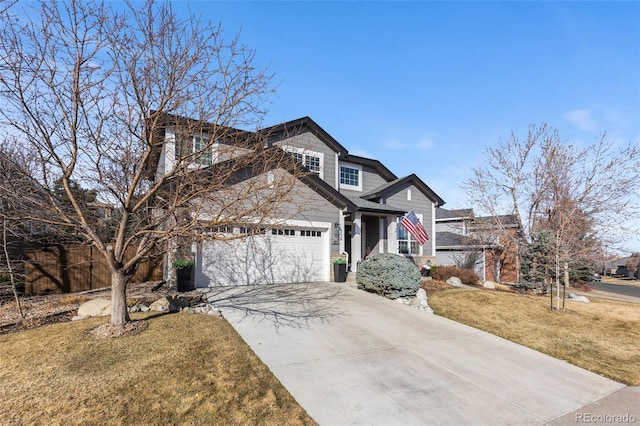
[{"x": 351, "y": 277}]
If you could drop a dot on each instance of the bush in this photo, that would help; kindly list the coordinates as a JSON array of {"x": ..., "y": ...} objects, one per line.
[
  {"x": 389, "y": 275},
  {"x": 443, "y": 273}
]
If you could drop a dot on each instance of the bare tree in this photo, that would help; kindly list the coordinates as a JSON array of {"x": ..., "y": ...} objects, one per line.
[
  {"x": 15, "y": 229},
  {"x": 92, "y": 91},
  {"x": 582, "y": 196}
]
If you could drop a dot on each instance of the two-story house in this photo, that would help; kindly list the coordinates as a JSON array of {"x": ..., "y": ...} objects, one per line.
[
  {"x": 490, "y": 247},
  {"x": 348, "y": 206}
]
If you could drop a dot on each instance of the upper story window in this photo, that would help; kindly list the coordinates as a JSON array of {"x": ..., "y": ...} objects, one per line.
[
  {"x": 198, "y": 145},
  {"x": 351, "y": 177},
  {"x": 202, "y": 148},
  {"x": 313, "y": 161}
]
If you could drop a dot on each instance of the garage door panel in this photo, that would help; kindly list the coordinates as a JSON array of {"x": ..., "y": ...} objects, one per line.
[{"x": 263, "y": 259}]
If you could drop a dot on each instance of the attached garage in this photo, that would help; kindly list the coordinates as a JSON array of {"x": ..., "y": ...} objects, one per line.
[{"x": 290, "y": 253}]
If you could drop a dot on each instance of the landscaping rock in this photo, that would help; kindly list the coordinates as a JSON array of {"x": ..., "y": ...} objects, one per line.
[
  {"x": 164, "y": 304},
  {"x": 454, "y": 281},
  {"x": 95, "y": 308},
  {"x": 421, "y": 294},
  {"x": 576, "y": 298},
  {"x": 489, "y": 284}
]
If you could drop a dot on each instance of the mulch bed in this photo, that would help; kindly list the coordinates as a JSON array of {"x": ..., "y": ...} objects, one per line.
[{"x": 55, "y": 308}]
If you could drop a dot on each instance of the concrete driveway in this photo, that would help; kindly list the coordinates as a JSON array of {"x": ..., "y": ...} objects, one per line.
[{"x": 354, "y": 358}]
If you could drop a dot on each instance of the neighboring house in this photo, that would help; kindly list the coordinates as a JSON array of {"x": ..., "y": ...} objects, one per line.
[
  {"x": 349, "y": 206},
  {"x": 626, "y": 267},
  {"x": 479, "y": 243}
]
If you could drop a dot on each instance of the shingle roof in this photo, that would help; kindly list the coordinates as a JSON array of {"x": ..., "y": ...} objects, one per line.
[
  {"x": 451, "y": 239},
  {"x": 442, "y": 214},
  {"x": 366, "y": 205}
]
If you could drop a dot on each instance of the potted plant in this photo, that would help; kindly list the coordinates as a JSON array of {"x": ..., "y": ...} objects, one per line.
[
  {"x": 184, "y": 274},
  {"x": 340, "y": 270}
]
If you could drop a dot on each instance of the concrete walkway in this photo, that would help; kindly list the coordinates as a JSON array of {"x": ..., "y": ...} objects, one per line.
[{"x": 354, "y": 358}]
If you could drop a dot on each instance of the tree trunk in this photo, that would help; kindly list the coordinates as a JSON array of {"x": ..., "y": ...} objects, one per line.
[{"x": 119, "y": 312}]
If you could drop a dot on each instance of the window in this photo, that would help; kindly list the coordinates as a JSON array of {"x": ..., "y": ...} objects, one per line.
[
  {"x": 248, "y": 230},
  {"x": 202, "y": 147},
  {"x": 311, "y": 160},
  {"x": 217, "y": 230},
  {"x": 350, "y": 177},
  {"x": 309, "y": 233},
  {"x": 298, "y": 157},
  {"x": 407, "y": 244},
  {"x": 312, "y": 163},
  {"x": 198, "y": 144},
  {"x": 289, "y": 232}
]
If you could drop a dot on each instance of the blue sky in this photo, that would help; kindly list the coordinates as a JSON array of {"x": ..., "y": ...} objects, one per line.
[{"x": 425, "y": 86}]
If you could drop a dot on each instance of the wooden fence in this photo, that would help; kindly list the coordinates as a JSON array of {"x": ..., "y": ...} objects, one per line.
[{"x": 69, "y": 269}]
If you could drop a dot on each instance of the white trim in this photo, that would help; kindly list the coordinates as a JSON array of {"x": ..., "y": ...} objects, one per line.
[
  {"x": 433, "y": 229},
  {"x": 360, "y": 177},
  {"x": 336, "y": 172}
]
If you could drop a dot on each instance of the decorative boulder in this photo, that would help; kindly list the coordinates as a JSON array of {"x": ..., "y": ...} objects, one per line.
[
  {"x": 421, "y": 294},
  {"x": 576, "y": 298},
  {"x": 388, "y": 275},
  {"x": 454, "y": 281},
  {"x": 95, "y": 308},
  {"x": 164, "y": 304},
  {"x": 489, "y": 284}
]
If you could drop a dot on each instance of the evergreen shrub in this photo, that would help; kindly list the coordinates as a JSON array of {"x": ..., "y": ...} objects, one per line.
[{"x": 389, "y": 275}]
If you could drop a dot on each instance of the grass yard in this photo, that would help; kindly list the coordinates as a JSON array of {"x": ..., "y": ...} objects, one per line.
[
  {"x": 602, "y": 336},
  {"x": 183, "y": 369}
]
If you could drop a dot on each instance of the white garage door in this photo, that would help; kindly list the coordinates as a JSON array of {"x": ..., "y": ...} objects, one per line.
[{"x": 281, "y": 255}]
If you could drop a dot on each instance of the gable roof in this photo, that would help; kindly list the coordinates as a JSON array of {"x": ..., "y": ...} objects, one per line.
[
  {"x": 382, "y": 170},
  {"x": 394, "y": 186},
  {"x": 295, "y": 127}
]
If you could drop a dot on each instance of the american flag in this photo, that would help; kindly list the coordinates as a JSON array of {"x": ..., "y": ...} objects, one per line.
[{"x": 414, "y": 227}]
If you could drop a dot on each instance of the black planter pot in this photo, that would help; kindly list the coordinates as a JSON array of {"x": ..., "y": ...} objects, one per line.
[
  {"x": 340, "y": 272},
  {"x": 184, "y": 279}
]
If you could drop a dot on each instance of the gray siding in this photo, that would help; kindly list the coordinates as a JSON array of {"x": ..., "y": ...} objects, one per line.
[
  {"x": 317, "y": 209},
  {"x": 309, "y": 142},
  {"x": 370, "y": 181},
  {"x": 449, "y": 257},
  {"x": 313, "y": 206},
  {"x": 455, "y": 227},
  {"x": 420, "y": 205}
]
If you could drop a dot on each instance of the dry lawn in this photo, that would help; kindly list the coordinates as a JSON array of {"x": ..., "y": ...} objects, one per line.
[
  {"x": 601, "y": 336},
  {"x": 183, "y": 369}
]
